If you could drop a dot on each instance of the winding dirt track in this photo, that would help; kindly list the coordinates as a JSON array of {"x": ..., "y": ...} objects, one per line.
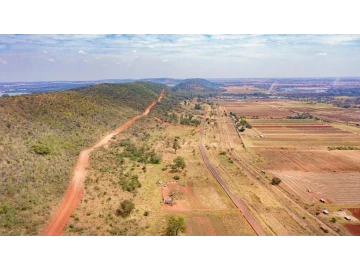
[{"x": 75, "y": 191}]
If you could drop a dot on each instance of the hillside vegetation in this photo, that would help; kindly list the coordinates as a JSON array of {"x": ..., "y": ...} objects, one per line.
[
  {"x": 197, "y": 85},
  {"x": 41, "y": 137}
]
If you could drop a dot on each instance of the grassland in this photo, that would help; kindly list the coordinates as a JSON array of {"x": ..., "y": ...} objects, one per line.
[{"x": 199, "y": 198}]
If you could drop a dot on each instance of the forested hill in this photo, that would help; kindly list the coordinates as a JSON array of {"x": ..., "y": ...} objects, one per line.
[
  {"x": 41, "y": 138},
  {"x": 196, "y": 85}
]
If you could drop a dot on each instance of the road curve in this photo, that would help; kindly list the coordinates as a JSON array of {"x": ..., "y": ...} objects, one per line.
[
  {"x": 75, "y": 191},
  {"x": 238, "y": 203}
]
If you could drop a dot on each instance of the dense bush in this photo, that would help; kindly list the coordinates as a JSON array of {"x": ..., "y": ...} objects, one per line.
[
  {"x": 130, "y": 183},
  {"x": 125, "y": 209},
  {"x": 41, "y": 149}
]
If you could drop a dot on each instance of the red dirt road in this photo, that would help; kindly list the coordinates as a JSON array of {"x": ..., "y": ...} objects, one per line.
[{"x": 74, "y": 193}]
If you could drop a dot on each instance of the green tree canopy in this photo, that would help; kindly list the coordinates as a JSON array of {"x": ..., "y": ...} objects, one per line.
[
  {"x": 179, "y": 163},
  {"x": 175, "y": 225}
]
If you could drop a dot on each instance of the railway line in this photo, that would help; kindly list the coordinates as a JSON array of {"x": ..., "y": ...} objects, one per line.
[{"x": 254, "y": 174}]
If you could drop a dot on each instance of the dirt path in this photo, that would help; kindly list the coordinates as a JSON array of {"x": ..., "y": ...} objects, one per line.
[
  {"x": 238, "y": 203},
  {"x": 289, "y": 203},
  {"x": 75, "y": 192}
]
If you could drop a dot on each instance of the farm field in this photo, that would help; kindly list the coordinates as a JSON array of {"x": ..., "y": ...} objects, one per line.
[
  {"x": 253, "y": 109},
  {"x": 340, "y": 187},
  {"x": 325, "y": 111},
  {"x": 297, "y": 151},
  {"x": 275, "y": 213},
  {"x": 245, "y": 89}
]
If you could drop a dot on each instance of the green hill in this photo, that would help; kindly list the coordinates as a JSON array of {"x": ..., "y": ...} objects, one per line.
[
  {"x": 41, "y": 137},
  {"x": 197, "y": 85}
]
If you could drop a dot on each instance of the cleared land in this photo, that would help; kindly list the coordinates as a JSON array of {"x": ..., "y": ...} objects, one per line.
[
  {"x": 297, "y": 151},
  {"x": 245, "y": 89},
  {"x": 254, "y": 109}
]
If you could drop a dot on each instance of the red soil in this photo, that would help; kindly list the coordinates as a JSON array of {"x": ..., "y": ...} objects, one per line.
[
  {"x": 180, "y": 205},
  {"x": 74, "y": 193},
  {"x": 354, "y": 229},
  {"x": 355, "y": 212}
]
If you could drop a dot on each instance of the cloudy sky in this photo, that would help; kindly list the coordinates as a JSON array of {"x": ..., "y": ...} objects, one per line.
[{"x": 92, "y": 57}]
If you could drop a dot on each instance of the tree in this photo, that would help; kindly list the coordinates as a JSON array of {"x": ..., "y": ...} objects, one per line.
[
  {"x": 176, "y": 145},
  {"x": 179, "y": 163},
  {"x": 197, "y": 106},
  {"x": 175, "y": 225},
  {"x": 276, "y": 181},
  {"x": 125, "y": 208}
]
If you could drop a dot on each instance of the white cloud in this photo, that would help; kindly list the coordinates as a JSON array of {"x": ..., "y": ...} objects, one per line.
[
  {"x": 134, "y": 51},
  {"x": 51, "y": 60},
  {"x": 164, "y": 60},
  {"x": 45, "y": 52},
  {"x": 97, "y": 57},
  {"x": 322, "y": 54},
  {"x": 2, "y": 61},
  {"x": 82, "y": 52}
]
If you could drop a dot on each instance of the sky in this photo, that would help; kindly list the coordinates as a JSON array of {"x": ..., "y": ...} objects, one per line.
[{"x": 95, "y": 57}]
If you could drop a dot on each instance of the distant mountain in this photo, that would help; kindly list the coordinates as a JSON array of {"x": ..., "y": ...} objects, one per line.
[
  {"x": 196, "y": 85},
  {"x": 166, "y": 81}
]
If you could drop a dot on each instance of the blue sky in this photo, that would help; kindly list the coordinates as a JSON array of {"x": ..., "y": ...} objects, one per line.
[{"x": 90, "y": 57}]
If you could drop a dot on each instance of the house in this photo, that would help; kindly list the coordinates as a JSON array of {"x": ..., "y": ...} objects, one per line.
[
  {"x": 322, "y": 200},
  {"x": 347, "y": 218},
  {"x": 168, "y": 200},
  {"x": 263, "y": 171},
  {"x": 326, "y": 212}
]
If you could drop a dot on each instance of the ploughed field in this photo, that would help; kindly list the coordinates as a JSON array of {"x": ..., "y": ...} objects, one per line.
[{"x": 297, "y": 150}]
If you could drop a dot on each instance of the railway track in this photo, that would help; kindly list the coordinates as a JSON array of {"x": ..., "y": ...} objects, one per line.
[
  {"x": 260, "y": 179},
  {"x": 238, "y": 202}
]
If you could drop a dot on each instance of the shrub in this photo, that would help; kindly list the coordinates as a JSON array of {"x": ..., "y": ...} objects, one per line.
[
  {"x": 130, "y": 183},
  {"x": 40, "y": 149},
  {"x": 176, "y": 177},
  {"x": 146, "y": 213},
  {"x": 125, "y": 208},
  {"x": 276, "y": 181}
]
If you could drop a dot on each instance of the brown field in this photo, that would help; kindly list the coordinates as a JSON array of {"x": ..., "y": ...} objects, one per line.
[
  {"x": 324, "y": 111},
  {"x": 341, "y": 187},
  {"x": 306, "y": 141},
  {"x": 245, "y": 89},
  {"x": 353, "y": 228},
  {"x": 355, "y": 212},
  {"x": 253, "y": 109},
  {"x": 310, "y": 160},
  {"x": 296, "y": 150}
]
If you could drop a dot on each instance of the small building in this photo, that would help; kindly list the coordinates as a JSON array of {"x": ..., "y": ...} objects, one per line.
[
  {"x": 326, "y": 212},
  {"x": 347, "y": 218},
  {"x": 263, "y": 171},
  {"x": 322, "y": 200},
  {"x": 168, "y": 200}
]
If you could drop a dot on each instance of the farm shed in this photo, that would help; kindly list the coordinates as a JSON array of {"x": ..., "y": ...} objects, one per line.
[{"x": 326, "y": 212}]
